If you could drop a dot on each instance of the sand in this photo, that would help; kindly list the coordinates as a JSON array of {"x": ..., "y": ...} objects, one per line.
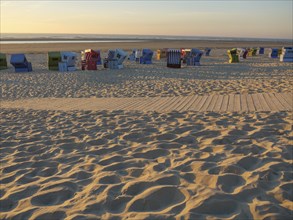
[{"x": 127, "y": 164}]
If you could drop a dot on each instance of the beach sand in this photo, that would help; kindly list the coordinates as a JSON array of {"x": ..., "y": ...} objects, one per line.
[{"x": 123, "y": 164}]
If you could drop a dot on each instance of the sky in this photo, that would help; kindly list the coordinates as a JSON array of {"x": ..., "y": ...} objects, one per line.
[{"x": 233, "y": 18}]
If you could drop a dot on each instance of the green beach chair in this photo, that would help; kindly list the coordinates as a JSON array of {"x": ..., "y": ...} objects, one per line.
[
  {"x": 3, "y": 61},
  {"x": 233, "y": 56},
  {"x": 53, "y": 60}
]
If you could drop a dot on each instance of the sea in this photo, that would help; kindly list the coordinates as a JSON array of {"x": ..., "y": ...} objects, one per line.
[{"x": 10, "y": 38}]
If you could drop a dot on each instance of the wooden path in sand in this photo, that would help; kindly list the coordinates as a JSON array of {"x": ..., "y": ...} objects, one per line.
[{"x": 214, "y": 103}]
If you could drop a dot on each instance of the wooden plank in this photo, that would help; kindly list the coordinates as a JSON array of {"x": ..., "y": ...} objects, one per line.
[
  {"x": 230, "y": 107},
  {"x": 218, "y": 103},
  {"x": 250, "y": 103},
  {"x": 237, "y": 105},
  {"x": 263, "y": 102},
  {"x": 243, "y": 103},
  {"x": 270, "y": 102},
  {"x": 185, "y": 103},
  {"x": 277, "y": 102},
  {"x": 150, "y": 103},
  {"x": 206, "y": 103},
  {"x": 288, "y": 97},
  {"x": 175, "y": 104},
  {"x": 179, "y": 103},
  {"x": 256, "y": 102},
  {"x": 164, "y": 106},
  {"x": 133, "y": 105},
  {"x": 212, "y": 103},
  {"x": 283, "y": 101},
  {"x": 225, "y": 103},
  {"x": 196, "y": 103},
  {"x": 187, "y": 107}
]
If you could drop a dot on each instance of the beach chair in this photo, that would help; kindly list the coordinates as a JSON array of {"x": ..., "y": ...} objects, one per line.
[
  {"x": 242, "y": 53},
  {"x": 67, "y": 63},
  {"x": 207, "y": 51},
  {"x": 3, "y": 61},
  {"x": 233, "y": 56},
  {"x": 273, "y": 53},
  {"x": 162, "y": 53},
  {"x": 20, "y": 63},
  {"x": 252, "y": 52},
  {"x": 90, "y": 59},
  {"x": 261, "y": 50},
  {"x": 184, "y": 54},
  {"x": 146, "y": 57},
  {"x": 54, "y": 58},
  {"x": 174, "y": 58},
  {"x": 194, "y": 58},
  {"x": 132, "y": 56},
  {"x": 115, "y": 59},
  {"x": 287, "y": 54}
]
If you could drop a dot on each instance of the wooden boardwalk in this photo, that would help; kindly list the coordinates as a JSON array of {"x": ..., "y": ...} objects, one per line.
[{"x": 272, "y": 102}]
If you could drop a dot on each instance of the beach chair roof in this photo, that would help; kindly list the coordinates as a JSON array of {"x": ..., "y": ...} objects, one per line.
[{"x": 17, "y": 58}]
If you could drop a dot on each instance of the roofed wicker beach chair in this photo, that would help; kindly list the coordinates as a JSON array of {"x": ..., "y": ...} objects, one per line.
[
  {"x": 174, "y": 58},
  {"x": 274, "y": 53},
  {"x": 194, "y": 58},
  {"x": 132, "y": 57},
  {"x": 184, "y": 54},
  {"x": 287, "y": 54},
  {"x": 233, "y": 55},
  {"x": 252, "y": 52},
  {"x": 261, "y": 50},
  {"x": 68, "y": 60},
  {"x": 146, "y": 57},
  {"x": 3, "y": 61},
  {"x": 162, "y": 53},
  {"x": 20, "y": 63},
  {"x": 207, "y": 51},
  {"x": 53, "y": 60},
  {"x": 242, "y": 53},
  {"x": 115, "y": 59},
  {"x": 90, "y": 59}
]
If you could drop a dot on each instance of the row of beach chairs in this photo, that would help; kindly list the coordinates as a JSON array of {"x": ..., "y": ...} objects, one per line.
[
  {"x": 238, "y": 54},
  {"x": 66, "y": 61}
]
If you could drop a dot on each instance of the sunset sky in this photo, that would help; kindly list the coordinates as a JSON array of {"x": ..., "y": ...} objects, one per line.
[{"x": 237, "y": 18}]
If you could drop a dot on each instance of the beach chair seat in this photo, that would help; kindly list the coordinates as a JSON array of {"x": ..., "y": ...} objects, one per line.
[
  {"x": 54, "y": 58},
  {"x": 261, "y": 50},
  {"x": 194, "y": 58},
  {"x": 273, "y": 53},
  {"x": 20, "y": 63},
  {"x": 3, "y": 61},
  {"x": 233, "y": 55},
  {"x": 174, "y": 58},
  {"x": 90, "y": 59},
  {"x": 146, "y": 57},
  {"x": 287, "y": 54},
  {"x": 207, "y": 51}
]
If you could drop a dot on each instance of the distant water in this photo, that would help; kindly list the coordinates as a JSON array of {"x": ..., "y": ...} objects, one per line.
[{"x": 89, "y": 38}]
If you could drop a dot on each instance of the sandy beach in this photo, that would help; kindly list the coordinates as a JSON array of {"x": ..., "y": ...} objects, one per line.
[{"x": 135, "y": 163}]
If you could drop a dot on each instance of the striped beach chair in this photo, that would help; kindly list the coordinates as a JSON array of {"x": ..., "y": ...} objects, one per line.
[
  {"x": 287, "y": 54},
  {"x": 194, "y": 58},
  {"x": 274, "y": 53},
  {"x": 3, "y": 61},
  {"x": 146, "y": 57},
  {"x": 20, "y": 63},
  {"x": 174, "y": 58},
  {"x": 233, "y": 55},
  {"x": 54, "y": 58},
  {"x": 89, "y": 59}
]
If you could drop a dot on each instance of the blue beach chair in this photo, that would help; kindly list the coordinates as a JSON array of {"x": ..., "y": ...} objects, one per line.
[
  {"x": 274, "y": 53},
  {"x": 194, "y": 58},
  {"x": 20, "y": 63},
  {"x": 174, "y": 58},
  {"x": 146, "y": 57}
]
